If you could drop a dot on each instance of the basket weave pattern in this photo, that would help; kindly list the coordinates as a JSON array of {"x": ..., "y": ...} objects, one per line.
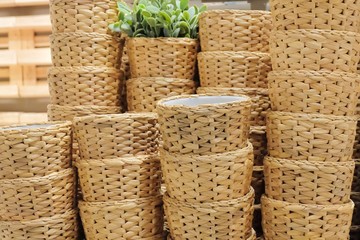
[{"x": 258, "y": 139}]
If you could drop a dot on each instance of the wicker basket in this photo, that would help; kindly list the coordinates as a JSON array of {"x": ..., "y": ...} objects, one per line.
[
  {"x": 223, "y": 220},
  {"x": 313, "y": 137},
  {"x": 162, "y": 57},
  {"x": 314, "y": 14},
  {"x": 117, "y": 135},
  {"x": 144, "y": 93},
  {"x": 355, "y": 233},
  {"x": 201, "y": 124},
  {"x": 235, "y": 30},
  {"x": 128, "y": 219},
  {"x": 315, "y": 50},
  {"x": 258, "y": 139},
  {"x": 314, "y": 92},
  {"x": 196, "y": 178},
  {"x": 75, "y": 86},
  {"x": 234, "y": 69},
  {"x": 258, "y": 183},
  {"x": 356, "y": 180},
  {"x": 252, "y": 237},
  {"x": 283, "y": 221},
  {"x": 355, "y": 197}
]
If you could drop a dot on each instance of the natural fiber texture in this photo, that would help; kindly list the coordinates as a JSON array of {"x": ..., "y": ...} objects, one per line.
[
  {"x": 85, "y": 49},
  {"x": 117, "y": 135},
  {"x": 120, "y": 178},
  {"x": 356, "y": 153},
  {"x": 252, "y": 237},
  {"x": 340, "y": 15},
  {"x": 75, "y": 86},
  {"x": 162, "y": 57},
  {"x": 322, "y": 92},
  {"x": 313, "y": 137},
  {"x": 33, "y": 198},
  {"x": 234, "y": 69},
  {"x": 206, "y": 128},
  {"x": 143, "y": 93},
  {"x": 34, "y": 150},
  {"x": 235, "y": 30},
  {"x": 355, "y": 197},
  {"x": 193, "y": 178},
  {"x": 257, "y": 220},
  {"x": 61, "y": 226},
  {"x": 284, "y": 221},
  {"x": 258, "y": 183},
  {"x": 128, "y": 219},
  {"x": 258, "y": 139},
  {"x": 315, "y": 50},
  {"x": 355, "y": 233},
  {"x": 356, "y": 181},
  {"x": 323, "y": 183}
]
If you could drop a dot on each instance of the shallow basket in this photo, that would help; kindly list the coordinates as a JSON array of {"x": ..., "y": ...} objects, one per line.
[
  {"x": 235, "y": 30},
  {"x": 322, "y": 92},
  {"x": 128, "y": 219},
  {"x": 162, "y": 57},
  {"x": 258, "y": 139},
  {"x": 356, "y": 180},
  {"x": 34, "y": 150},
  {"x": 313, "y": 137},
  {"x": 323, "y": 183},
  {"x": 217, "y": 220},
  {"x": 315, "y": 50},
  {"x": 282, "y": 220},
  {"x": 355, "y": 197},
  {"x": 234, "y": 69},
  {"x": 258, "y": 183},
  {"x": 204, "y": 124},
  {"x": 143, "y": 93}
]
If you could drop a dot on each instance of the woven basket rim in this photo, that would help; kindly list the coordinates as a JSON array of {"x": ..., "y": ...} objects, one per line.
[
  {"x": 85, "y": 69},
  {"x": 310, "y": 116},
  {"x": 164, "y": 39},
  {"x": 115, "y": 117},
  {"x": 305, "y": 73},
  {"x": 258, "y": 91},
  {"x": 154, "y": 79},
  {"x": 82, "y": 107},
  {"x": 232, "y": 11},
  {"x": 119, "y": 161},
  {"x": 122, "y": 202},
  {"x": 47, "y": 126},
  {"x": 234, "y": 53},
  {"x": 80, "y": 1},
  {"x": 92, "y": 35},
  {"x": 270, "y": 159},
  {"x": 314, "y": 31}
]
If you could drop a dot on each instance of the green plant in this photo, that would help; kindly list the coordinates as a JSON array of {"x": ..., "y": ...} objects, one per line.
[{"x": 158, "y": 18}]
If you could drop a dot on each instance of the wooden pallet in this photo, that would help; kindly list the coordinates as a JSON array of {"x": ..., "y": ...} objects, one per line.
[
  {"x": 11, "y": 118},
  {"x": 21, "y": 3}
]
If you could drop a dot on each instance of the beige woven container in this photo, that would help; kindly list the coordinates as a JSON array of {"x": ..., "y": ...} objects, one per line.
[
  {"x": 117, "y": 135},
  {"x": 313, "y": 137},
  {"x": 304, "y": 49},
  {"x": 204, "y": 124},
  {"x": 356, "y": 180},
  {"x": 235, "y": 30},
  {"x": 197, "y": 178},
  {"x": 355, "y": 197},
  {"x": 258, "y": 182},
  {"x": 128, "y": 219},
  {"x": 75, "y": 86},
  {"x": 143, "y": 93},
  {"x": 217, "y": 220},
  {"x": 282, "y": 220},
  {"x": 234, "y": 69},
  {"x": 252, "y": 237},
  {"x": 258, "y": 139},
  {"x": 162, "y": 57}
]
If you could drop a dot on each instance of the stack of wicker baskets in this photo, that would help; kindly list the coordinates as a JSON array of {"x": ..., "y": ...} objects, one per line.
[
  {"x": 37, "y": 187},
  {"x": 315, "y": 50}
]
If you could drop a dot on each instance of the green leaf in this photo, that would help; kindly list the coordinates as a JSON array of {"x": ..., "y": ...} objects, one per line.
[
  {"x": 146, "y": 13},
  {"x": 165, "y": 16},
  {"x": 176, "y": 32},
  {"x": 151, "y": 21},
  {"x": 203, "y": 8},
  {"x": 153, "y": 9},
  {"x": 184, "y": 4},
  {"x": 191, "y": 11},
  {"x": 186, "y": 15}
]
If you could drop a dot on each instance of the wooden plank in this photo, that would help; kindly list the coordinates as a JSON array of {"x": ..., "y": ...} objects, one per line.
[
  {"x": 40, "y": 56},
  {"x": 7, "y": 58},
  {"x": 16, "y": 73},
  {"x": 31, "y": 2},
  {"x": 4, "y": 73},
  {"x": 35, "y": 91},
  {"x": 9, "y": 118},
  {"x": 41, "y": 40},
  {"x": 37, "y": 22},
  {"x": 7, "y": 23},
  {"x": 7, "y": 3},
  {"x": 31, "y": 118},
  {"x": 28, "y": 42},
  {"x": 9, "y": 91},
  {"x": 41, "y": 72},
  {"x": 4, "y": 41}
]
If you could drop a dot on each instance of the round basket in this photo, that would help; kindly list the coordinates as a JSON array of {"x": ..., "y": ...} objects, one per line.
[
  {"x": 258, "y": 139},
  {"x": 197, "y": 179},
  {"x": 234, "y": 69},
  {"x": 162, "y": 57},
  {"x": 204, "y": 124},
  {"x": 34, "y": 150},
  {"x": 75, "y": 86},
  {"x": 355, "y": 197},
  {"x": 355, "y": 233},
  {"x": 235, "y": 30},
  {"x": 120, "y": 178},
  {"x": 283, "y": 220},
  {"x": 356, "y": 180},
  {"x": 322, "y": 92},
  {"x": 323, "y": 183},
  {"x": 315, "y": 50},
  {"x": 312, "y": 137},
  {"x": 258, "y": 183},
  {"x": 37, "y": 197},
  {"x": 117, "y": 135},
  {"x": 128, "y": 219},
  {"x": 143, "y": 93}
]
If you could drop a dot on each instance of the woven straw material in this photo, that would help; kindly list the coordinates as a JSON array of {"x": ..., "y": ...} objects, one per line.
[
  {"x": 143, "y": 93},
  {"x": 315, "y": 50},
  {"x": 313, "y": 137},
  {"x": 117, "y": 135},
  {"x": 355, "y": 233},
  {"x": 234, "y": 69},
  {"x": 284, "y": 221},
  {"x": 235, "y": 30},
  {"x": 216, "y": 220},
  {"x": 258, "y": 139},
  {"x": 75, "y": 86},
  {"x": 258, "y": 183},
  {"x": 34, "y": 150},
  {"x": 128, "y": 219},
  {"x": 356, "y": 180},
  {"x": 342, "y": 15},
  {"x": 355, "y": 197},
  {"x": 206, "y": 128},
  {"x": 356, "y": 153},
  {"x": 314, "y": 92},
  {"x": 252, "y": 237},
  {"x": 85, "y": 49},
  {"x": 33, "y": 198},
  {"x": 323, "y": 183},
  {"x": 192, "y": 178},
  {"x": 162, "y": 57}
]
